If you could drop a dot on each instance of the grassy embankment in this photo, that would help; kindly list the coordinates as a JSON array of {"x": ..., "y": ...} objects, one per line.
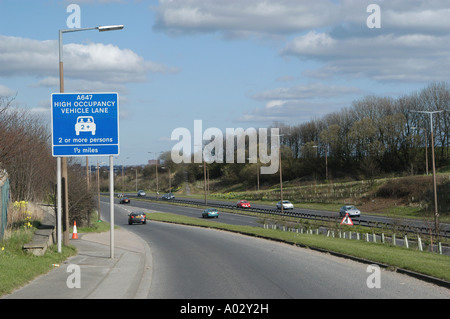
[{"x": 18, "y": 267}]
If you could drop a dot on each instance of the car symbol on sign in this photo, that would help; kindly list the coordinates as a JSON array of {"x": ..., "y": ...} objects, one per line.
[{"x": 85, "y": 124}]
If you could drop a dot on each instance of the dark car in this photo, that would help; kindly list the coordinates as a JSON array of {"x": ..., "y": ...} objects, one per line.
[
  {"x": 124, "y": 200},
  {"x": 168, "y": 196},
  {"x": 210, "y": 212},
  {"x": 137, "y": 217}
]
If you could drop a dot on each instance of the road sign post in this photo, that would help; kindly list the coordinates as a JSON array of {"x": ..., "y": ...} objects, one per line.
[{"x": 86, "y": 124}]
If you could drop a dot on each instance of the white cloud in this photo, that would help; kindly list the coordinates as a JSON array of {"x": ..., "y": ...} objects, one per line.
[
  {"x": 244, "y": 17},
  {"x": 308, "y": 91},
  {"x": 99, "y": 61},
  {"x": 299, "y": 103},
  {"x": 409, "y": 57},
  {"x": 6, "y": 91},
  {"x": 412, "y": 44},
  {"x": 84, "y": 62},
  {"x": 288, "y": 111}
]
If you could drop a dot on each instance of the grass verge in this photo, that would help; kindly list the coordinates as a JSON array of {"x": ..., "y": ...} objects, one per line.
[
  {"x": 427, "y": 263},
  {"x": 19, "y": 267}
]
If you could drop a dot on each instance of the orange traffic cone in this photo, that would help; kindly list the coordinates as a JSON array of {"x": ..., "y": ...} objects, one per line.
[{"x": 75, "y": 233}]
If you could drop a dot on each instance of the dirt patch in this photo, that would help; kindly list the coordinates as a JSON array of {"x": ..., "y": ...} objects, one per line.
[
  {"x": 410, "y": 191},
  {"x": 380, "y": 205}
]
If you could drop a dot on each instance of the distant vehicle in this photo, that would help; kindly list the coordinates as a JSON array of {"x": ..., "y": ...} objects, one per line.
[
  {"x": 140, "y": 193},
  {"x": 286, "y": 205},
  {"x": 137, "y": 217},
  {"x": 351, "y": 210},
  {"x": 210, "y": 212},
  {"x": 124, "y": 200},
  {"x": 243, "y": 204},
  {"x": 168, "y": 196},
  {"x": 85, "y": 124}
]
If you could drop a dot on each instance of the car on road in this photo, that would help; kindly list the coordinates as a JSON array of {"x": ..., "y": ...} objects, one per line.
[
  {"x": 243, "y": 204},
  {"x": 124, "y": 200},
  {"x": 137, "y": 217},
  {"x": 286, "y": 205},
  {"x": 210, "y": 212},
  {"x": 140, "y": 193},
  {"x": 168, "y": 196},
  {"x": 351, "y": 210}
]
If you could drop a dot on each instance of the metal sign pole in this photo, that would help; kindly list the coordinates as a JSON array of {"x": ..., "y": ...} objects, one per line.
[
  {"x": 58, "y": 201},
  {"x": 111, "y": 203}
]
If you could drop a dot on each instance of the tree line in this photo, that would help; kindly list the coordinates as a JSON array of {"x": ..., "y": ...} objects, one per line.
[
  {"x": 375, "y": 135},
  {"x": 25, "y": 152},
  {"x": 371, "y": 137},
  {"x": 26, "y": 155}
]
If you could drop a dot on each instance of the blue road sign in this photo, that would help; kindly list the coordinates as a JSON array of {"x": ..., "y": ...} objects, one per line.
[{"x": 85, "y": 124}]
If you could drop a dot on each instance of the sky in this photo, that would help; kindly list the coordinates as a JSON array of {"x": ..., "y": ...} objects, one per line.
[{"x": 229, "y": 63}]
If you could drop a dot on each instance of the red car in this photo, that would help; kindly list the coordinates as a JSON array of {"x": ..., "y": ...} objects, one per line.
[{"x": 243, "y": 204}]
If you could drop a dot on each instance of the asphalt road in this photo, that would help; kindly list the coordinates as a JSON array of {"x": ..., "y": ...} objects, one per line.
[
  {"x": 228, "y": 218},
  {"x": 191, "y": 262},
  {"x": 334, "y": 215}
]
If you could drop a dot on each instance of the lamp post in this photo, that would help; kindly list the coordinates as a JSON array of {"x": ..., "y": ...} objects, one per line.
[
  {"x": 281, "y": 174},
  {"x": 135, "y": 169},
  {"x": 436, "y": 212},
  {"x": 156, "y": 171},
  {"x": 98, "y": 190},
  {"x": 62, "y": 162}
]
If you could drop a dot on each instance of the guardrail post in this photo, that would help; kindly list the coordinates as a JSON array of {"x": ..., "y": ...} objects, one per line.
[
  {"x": 406, "y": 242},
  {"x": 419, "y": 243}
]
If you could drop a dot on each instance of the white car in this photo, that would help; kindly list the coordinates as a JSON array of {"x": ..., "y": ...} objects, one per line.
[
  {"x": 140, "y": 193},
  {"x": 351, "y": 210},
  {"x": 85, "y": 124},
  {"x": 286, "y": 205}
]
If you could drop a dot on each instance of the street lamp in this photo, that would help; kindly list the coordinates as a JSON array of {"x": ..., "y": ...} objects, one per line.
[
  {"x": 98, "y": 189},
  {"x": 436, "y": 212},
  {"x": 156, "y": 171},
  {"x": 257, "y": 172},
  {"x": 99, "y": 28},
  {"x": 281, "y": 174},
  {"x": 62, "y": 162},
  {"x": 136, "y": 170}
]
